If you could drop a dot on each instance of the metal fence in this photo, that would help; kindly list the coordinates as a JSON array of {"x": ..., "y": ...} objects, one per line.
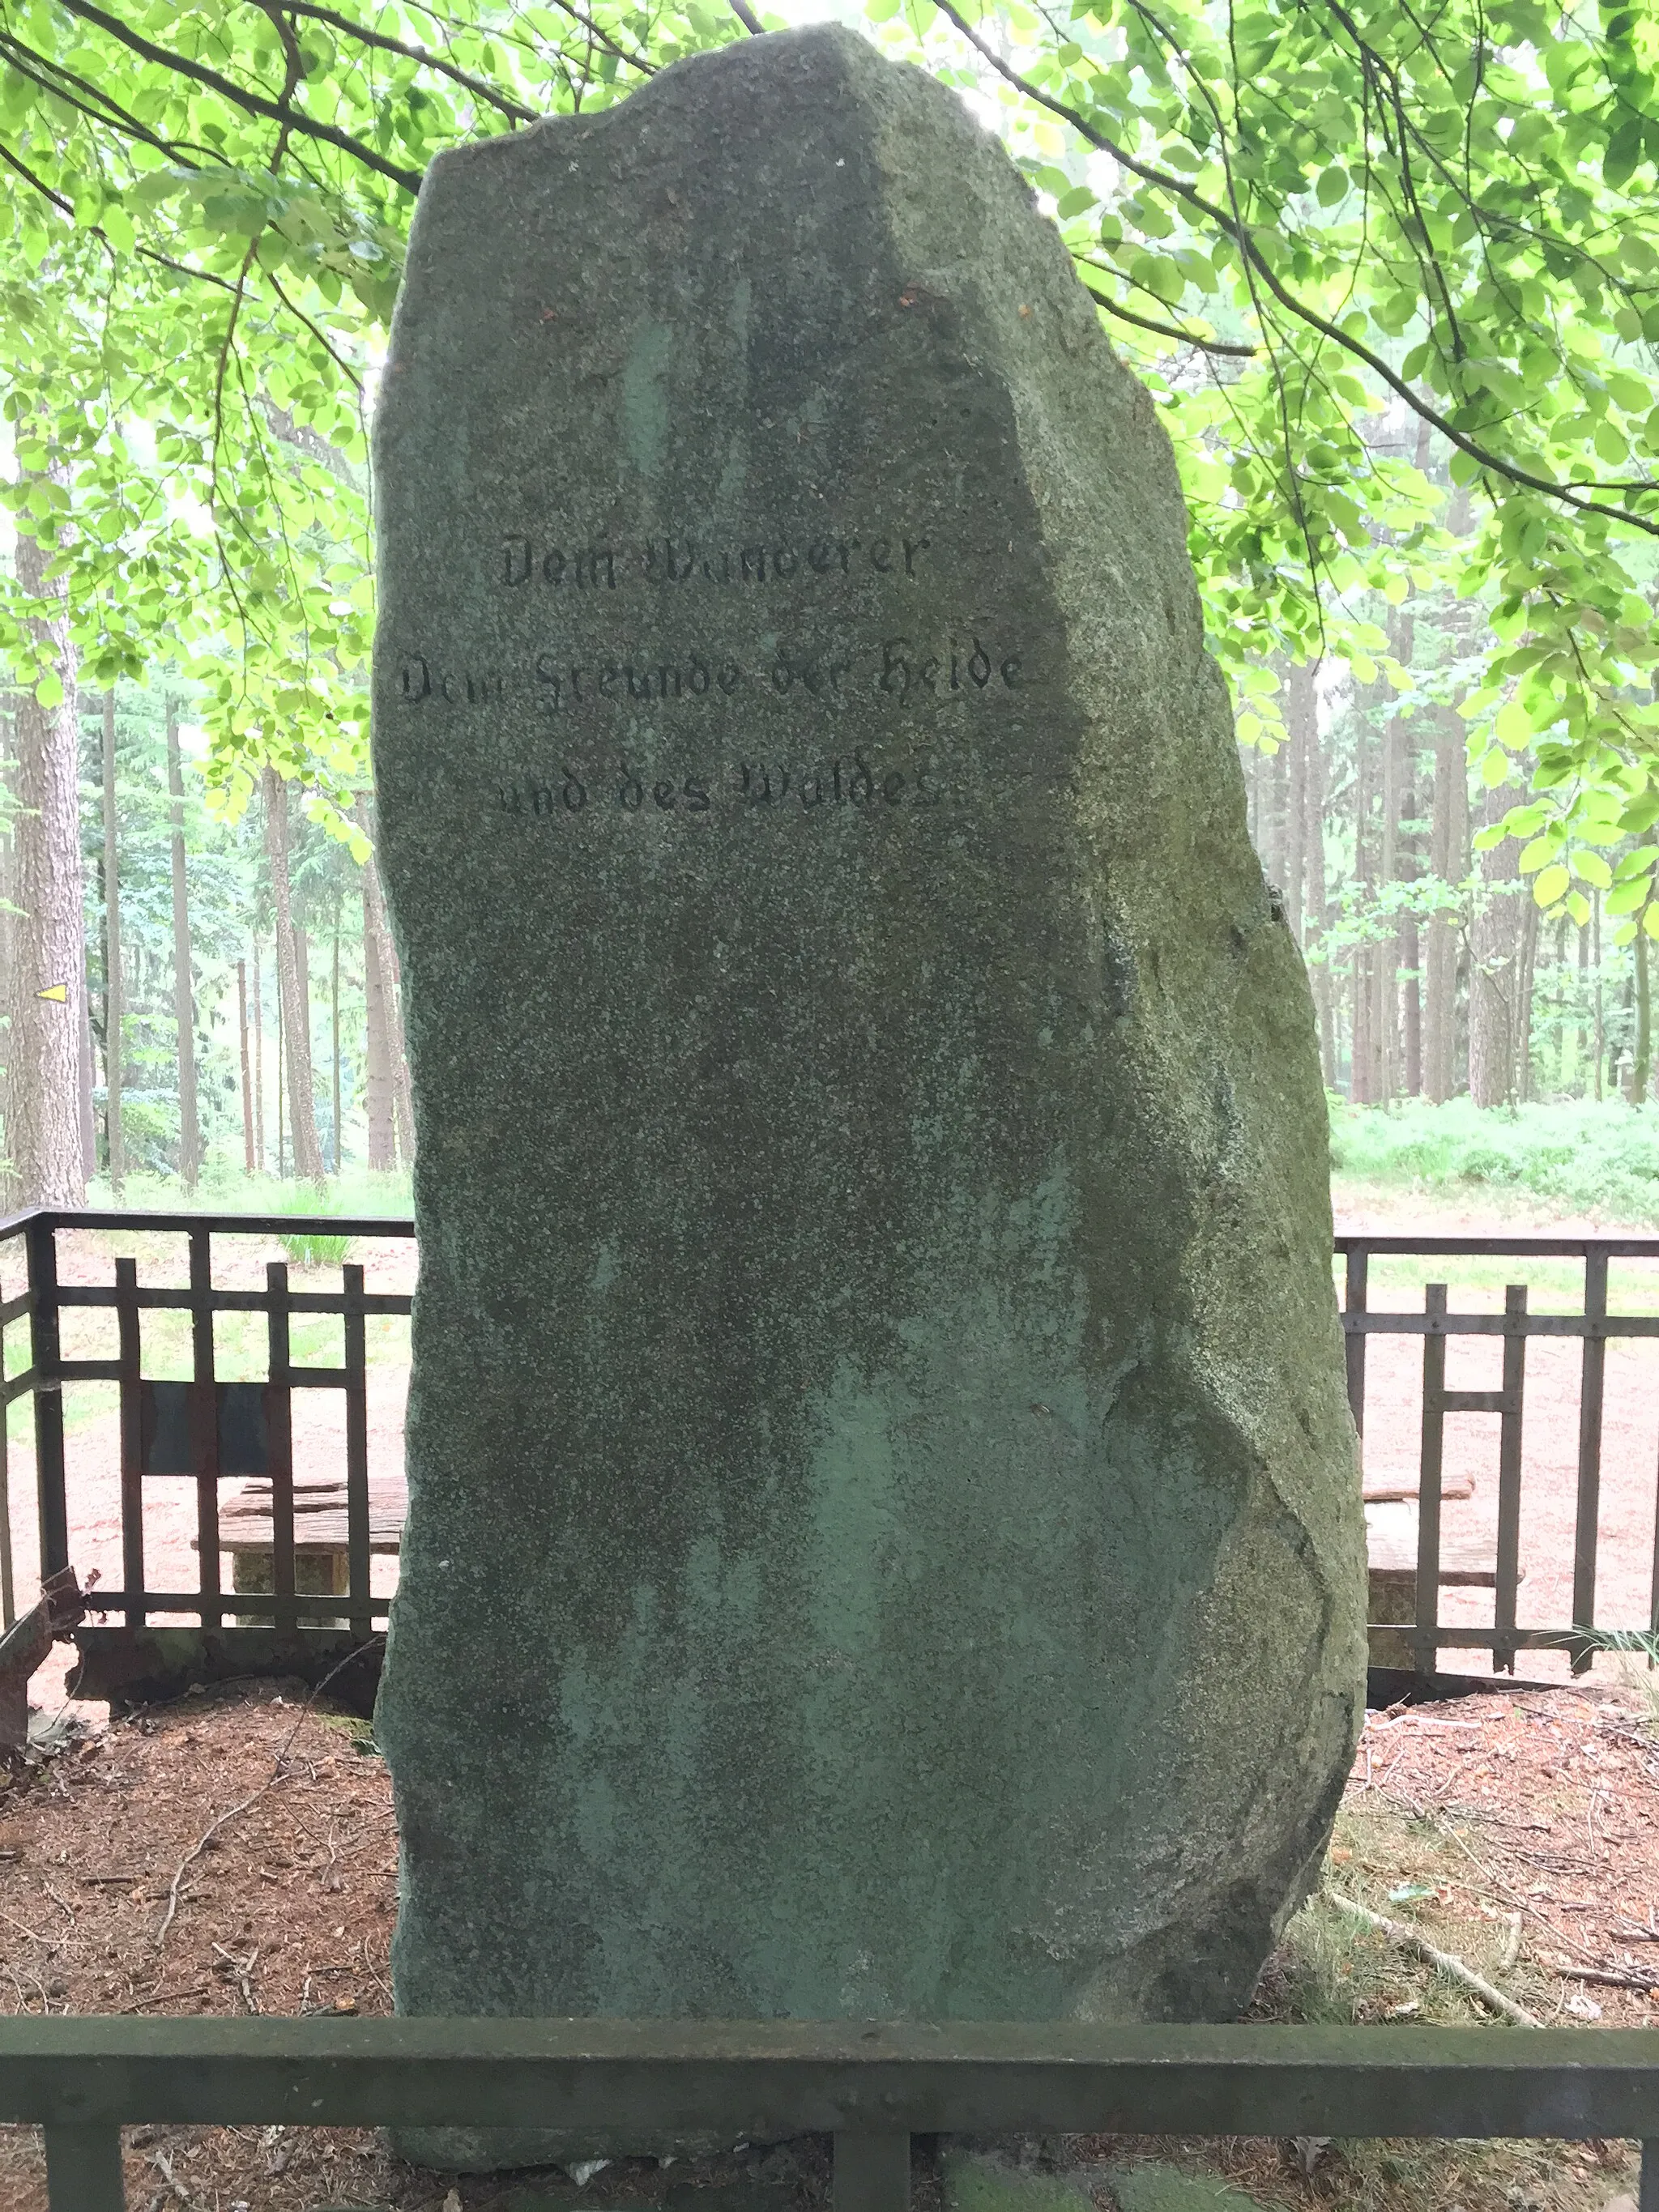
[
  {"x": 205, "y": 1430},
  {"x": 1595, "y": 1325},
  {"x": 210, "y": 1431},
  {"x": 872, "y": 2087}
]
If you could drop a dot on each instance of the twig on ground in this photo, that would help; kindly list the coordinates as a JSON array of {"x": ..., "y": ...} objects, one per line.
[
  {"x": 1614, "y": 1981},
  {"x": 276, "y": 1775},
  {"x": 1412, "y": 1939},
  {"x": 30, "y": 1932}
]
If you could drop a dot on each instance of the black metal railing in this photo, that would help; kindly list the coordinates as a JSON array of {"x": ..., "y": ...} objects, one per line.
[
  {"x": 210, "y": 1431},
  {"x": 871, "y": 2087},
  {"x": 205, "y": 1430},
  {"x": 1595, "y": 1325}
]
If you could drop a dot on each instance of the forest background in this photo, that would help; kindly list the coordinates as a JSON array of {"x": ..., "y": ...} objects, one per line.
[{"x": 1390, "y": 272}]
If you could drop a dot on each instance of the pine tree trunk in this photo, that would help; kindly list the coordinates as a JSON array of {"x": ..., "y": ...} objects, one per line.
[
  {"x": 293, "y": 1012},
  {"x": 1440, "y": 959},
  {"x": 377, "y": 1055},
  {"x": 334, "y": 1023},
  {"x": 1495, "y": 977},
  {"x": 1526, "y": 978},
  {"x": 183, "y": 997},
  {"x": 247, "y": 1071},
  {"x": 401, "y": 1092},
  {"x": 259, "y": 1065},
  {"x": 1362, "y": 1083},
  {"x": 8, "y": 942},
  {"x": 1595, "y": 961},
  {"x": 1315, "y": 913},
  {"x": 115, "y": 1136},
  {"x": 44, "y": 1138},
  {"x": 1644, "y": 1058},
  {"x": 1296, "y": 811}
]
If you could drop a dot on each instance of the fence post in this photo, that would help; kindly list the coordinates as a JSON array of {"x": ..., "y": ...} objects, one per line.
[
  {"x": 1355, "y": 1289},
  {"x": 1427, "y": 1616},
  {"x": 872, "y": 2170},
  {"x": 83, "y": 2170},
  {"x": 1589, "y": 1455},
  {"x": 44, "y": 1345}
]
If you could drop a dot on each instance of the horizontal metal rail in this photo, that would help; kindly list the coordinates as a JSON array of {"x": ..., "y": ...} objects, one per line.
[{"x": 870, "y": 2086}]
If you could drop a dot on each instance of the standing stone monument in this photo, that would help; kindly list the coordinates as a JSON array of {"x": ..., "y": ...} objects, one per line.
[{"x": 885, "y": 1538}]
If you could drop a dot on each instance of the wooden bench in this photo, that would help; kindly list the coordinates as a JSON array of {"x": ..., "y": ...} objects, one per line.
[{"x": 321, "y": 1536}]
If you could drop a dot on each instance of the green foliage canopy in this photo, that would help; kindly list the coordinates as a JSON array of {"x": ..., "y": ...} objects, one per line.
[{"x": 1365, "y": 252}]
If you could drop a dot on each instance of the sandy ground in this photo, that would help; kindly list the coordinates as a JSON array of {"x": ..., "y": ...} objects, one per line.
[{"x": 1543, "y": 1805}]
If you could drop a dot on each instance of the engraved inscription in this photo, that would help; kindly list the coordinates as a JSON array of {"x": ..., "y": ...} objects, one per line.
[
  {"x": 627, "y": 787},
  {"x": 900, "y": 671},
  {"x": 525, "y": 559}
]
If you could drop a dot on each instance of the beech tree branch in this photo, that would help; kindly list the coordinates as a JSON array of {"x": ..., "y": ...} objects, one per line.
[
  {"x": 1238, "y": 231},
  {"x": 251, "y": 103}
]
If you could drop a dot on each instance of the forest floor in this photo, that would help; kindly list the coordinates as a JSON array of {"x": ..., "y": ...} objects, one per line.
[{"x": 235, "y": 1853}]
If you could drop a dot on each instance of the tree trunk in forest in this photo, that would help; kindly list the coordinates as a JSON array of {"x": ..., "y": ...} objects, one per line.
[
  {"x": 1440, "y": 958},
  {"x": 259, "y": 1065},
  {"x": 294, "y": 1014},
  {"x": 184, "y": 996},
  {"x": 44, "y": 1138},
  {"x": 115, "y": 1137},
  {"x": 302, "y": 970},
  {"x": 334, "y": 1025},
  {"x": 8, "y": 940},
  {"x": 1362, "y": 1086},
  {"x": 401, "y": 1094},
  {"x": 391, "y": 1120},
  {"x": 1296, "y": 823},
  {"x": 1595, "y": 961},
  {"x": 1303, "y": 712},
  {"x": 247, "y": 1072},
  {"x": 1495, "y": 966},
  {"x": 1525, "y": 977},
  {"x": 282, "y": 1125},
  {"x": 1639, "y": 1076},
  {"x": 1411, "y": 981}
]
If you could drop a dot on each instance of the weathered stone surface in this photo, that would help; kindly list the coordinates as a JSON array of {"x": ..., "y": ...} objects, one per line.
[
  {"x": 885, "y": 1538},
  {"x": 981, "y": 2181}
]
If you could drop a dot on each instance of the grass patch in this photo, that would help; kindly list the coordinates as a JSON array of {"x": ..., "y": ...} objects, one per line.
[
  {"x": 1578, "y": 1157},
  {"x": 1330, "y": 1969}
]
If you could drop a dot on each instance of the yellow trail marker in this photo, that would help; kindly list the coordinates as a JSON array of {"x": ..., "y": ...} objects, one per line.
[{"x": 59, "y": 991}]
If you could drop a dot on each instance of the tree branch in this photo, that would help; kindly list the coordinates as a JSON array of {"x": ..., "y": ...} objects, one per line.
[
  {"x": 1236, "y": 230},
  {"x": 251, "y": 103},
  {"x": 388, "y": 45},
  {"x": 1165, "y": 329}
]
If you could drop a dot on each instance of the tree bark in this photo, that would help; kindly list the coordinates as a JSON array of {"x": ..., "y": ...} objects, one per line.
[
  {"x": 1440, "y": 961},
  {"x": 44, "y": 1139},
  {"x": 259, "y": 1065},
  {"x": 1595, "y": 960},
  {"x": 247, "y": 1072},
  {"x": 293, "y": 1010},
  {"x": 1644, "y": 1055},
  {"x": 1495, "y": 964},
  {"x": 114, "y": 1135},
  {"x": 183, "y": 997},
  {"x": 334, "y": 1026},
  {"x": 377, "y": 1050}
]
